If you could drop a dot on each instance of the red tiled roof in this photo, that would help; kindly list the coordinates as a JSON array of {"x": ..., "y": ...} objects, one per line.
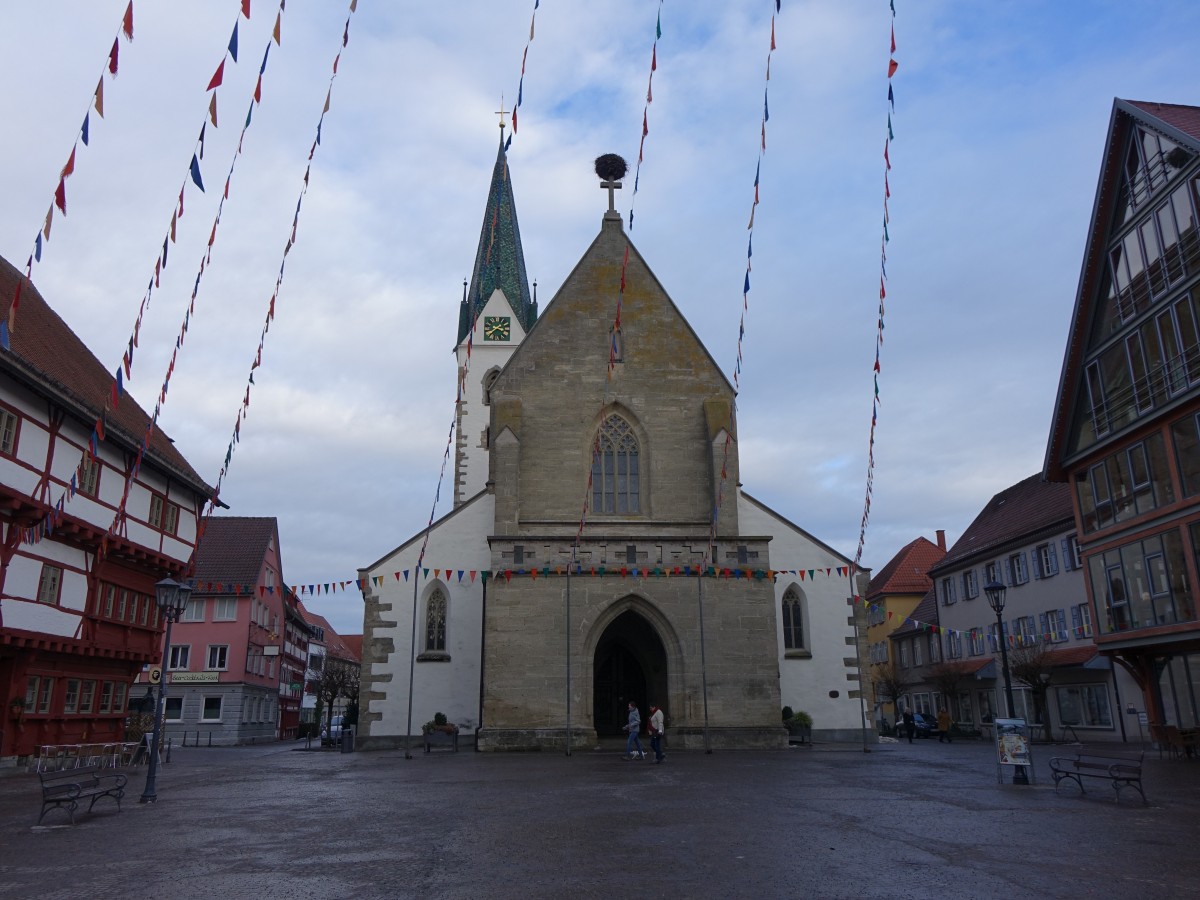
[
  {"x": 1071, "y": 656},
  {"x": 47, "y": 355},
  {"x": 1185, "y": 118},
  {"x": 907, "y": 571},
  {"x": 354, "y": 645},
  {"x": 1026, "y": 508},
  {"x": 337, "y": 646},
  {"x": 233, "y": 548}
]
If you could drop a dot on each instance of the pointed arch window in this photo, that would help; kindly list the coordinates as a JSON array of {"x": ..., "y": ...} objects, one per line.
[
  {"x": 793, "y": 621},
  {"x": 435, "y": 622},
  {"x": 616, "y": 480}
]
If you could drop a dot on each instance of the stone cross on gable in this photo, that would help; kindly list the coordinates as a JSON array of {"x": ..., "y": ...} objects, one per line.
[{"x": 611, "y": 186}]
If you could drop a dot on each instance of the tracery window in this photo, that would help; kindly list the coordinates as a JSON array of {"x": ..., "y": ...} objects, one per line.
[
  {"x": 435, "y": 622},
  {"x": 793, "y": 619},
  {"x": 615, "y": 469}
]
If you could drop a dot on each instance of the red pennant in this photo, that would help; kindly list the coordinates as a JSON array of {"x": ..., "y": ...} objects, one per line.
[
  {"x": 127, "y": 22},
  {"x": 892, "y": 67},
  {"x": 112, "y": 58},
  {"x": 69, "y": 168},
  {"x": 218, "y": 77},
  {"x": 60, "y": 196},
  {"x": 246, "y": 8}
]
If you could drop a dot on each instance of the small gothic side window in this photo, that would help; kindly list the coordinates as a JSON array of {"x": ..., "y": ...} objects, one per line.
[
  {"x": 793, "y": 620},
  {"x": 435, "y": 622},
  {"x": 615, "y": 470},
  {"x": 488, "y": 380}
]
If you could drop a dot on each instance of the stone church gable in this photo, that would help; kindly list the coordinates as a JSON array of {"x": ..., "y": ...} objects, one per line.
[{"x": 665, "y": 385}]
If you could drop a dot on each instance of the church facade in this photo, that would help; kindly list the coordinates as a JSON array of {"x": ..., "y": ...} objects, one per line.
[{"x": 601, "y": 548}]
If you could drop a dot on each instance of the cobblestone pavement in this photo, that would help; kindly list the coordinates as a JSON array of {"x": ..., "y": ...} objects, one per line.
[{"x": 919, "y": 820}]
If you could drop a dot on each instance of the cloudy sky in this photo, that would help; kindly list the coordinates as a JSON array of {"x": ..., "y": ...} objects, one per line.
[{"x": 1000, "y": 119}]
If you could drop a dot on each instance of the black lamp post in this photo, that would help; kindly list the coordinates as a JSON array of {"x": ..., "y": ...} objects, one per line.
[
  {"x": 995, "y": 594},
  {"x": 172, "y": 599}
]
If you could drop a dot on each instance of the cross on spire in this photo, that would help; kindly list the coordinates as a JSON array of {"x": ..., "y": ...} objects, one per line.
[{"x": 501, "y": 112}]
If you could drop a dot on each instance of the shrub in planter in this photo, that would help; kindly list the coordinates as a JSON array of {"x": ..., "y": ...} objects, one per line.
[{"x": 800, "y": 724}]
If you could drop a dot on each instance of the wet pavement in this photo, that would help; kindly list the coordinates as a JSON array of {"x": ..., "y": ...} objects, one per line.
[{"x": 905, "y": 820}]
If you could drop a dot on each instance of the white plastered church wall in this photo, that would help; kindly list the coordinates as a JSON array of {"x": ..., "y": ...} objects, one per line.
[
  {"x": 451, "y": 687},
  {"x": 806, "y": 683}
]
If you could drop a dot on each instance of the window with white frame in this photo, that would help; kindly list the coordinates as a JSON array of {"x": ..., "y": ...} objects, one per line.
[
  {"x": 224, "y": 609},
  {"x": 194, "y": 611},
  {"x": 1084, "y": 706},
  {"x": 1018, "y": 569},
  {"x": 174, "y": 709},
  {"x": 987, "y": 703},
  {"x": 918, "y": 657},
  {"x": 992, "y": 573},
  {"x": 935, "y": 648},
  {"x": 106, "y": 697},
  {"x": 8, "y": 432},
  {"x": 975, "y": 637},
  {"x": 218, "y": 657},
  {"x": 120, "y": 688},
  {"x": 71, "y": 698},
  {"x": 1081, "y": 620},
  {"x": 970, "y": 585},
  {"x": 903, "y": 654},
  {"x": 954, "y": 645},
  {"x": 948, "y": 595},
  {"x": 49, "y": 584},
  {"x": 212, "y": 710},
  {"x": 793, "y": 619},
  {"x": 1045, "y": 560},
  {"x": 88, "y": 476},
  {"x": 962, "y": 708},
  {"x": 87, "y": 695},
  {"x": 1025, "y": 631},
  {"x": 177, "y": 659},
  {"x": 1053, "y": 624},
  {"x": 39, "y": 694}
]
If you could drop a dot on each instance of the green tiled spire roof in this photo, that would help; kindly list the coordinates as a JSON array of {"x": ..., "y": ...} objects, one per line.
[{"x": 499, "y": 261}]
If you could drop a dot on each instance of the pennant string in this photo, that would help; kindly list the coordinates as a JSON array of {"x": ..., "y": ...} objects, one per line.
[
  {"x": 892, "y": 66},
  {"x": 96, "y": 101}
]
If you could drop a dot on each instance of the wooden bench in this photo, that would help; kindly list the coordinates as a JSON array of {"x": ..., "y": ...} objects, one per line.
[
  {"x": 1120, "y": 771},
  {"x": 66, "y": 788}
]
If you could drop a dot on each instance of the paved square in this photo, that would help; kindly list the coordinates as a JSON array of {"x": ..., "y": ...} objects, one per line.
[{"x": 920, "y": 820}]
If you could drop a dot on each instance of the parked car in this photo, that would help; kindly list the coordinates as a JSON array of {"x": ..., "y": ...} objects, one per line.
[
  {"x": 333, "y": 731},
  {"x": 925, "y": 726}
]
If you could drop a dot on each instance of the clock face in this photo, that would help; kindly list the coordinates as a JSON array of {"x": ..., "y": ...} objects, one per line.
[{"x": 496, "y": 328}]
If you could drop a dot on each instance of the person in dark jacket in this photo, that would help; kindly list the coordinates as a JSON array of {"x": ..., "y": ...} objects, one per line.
[{"x": 910, "y": 725}]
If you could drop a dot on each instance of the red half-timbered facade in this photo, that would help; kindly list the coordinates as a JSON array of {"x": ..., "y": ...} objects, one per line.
[
  {"x": 1126, "y": 427},
  {"x": 78, "y": 564}
]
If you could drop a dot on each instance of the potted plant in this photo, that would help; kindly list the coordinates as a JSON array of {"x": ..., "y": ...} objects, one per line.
[
  {"x": 799, "y": 726},
  {"x": 440, "y": 731}
]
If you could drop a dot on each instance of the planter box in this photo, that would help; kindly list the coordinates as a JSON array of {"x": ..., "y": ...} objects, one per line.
[
  {"x": 801, "y": 734},
  {"x": 441, "y": 739}
]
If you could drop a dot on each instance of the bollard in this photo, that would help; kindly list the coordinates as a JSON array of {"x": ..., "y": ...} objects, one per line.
[{"x": 169, "y": 740}]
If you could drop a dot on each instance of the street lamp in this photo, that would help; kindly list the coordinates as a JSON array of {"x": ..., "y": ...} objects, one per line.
[
  {"x": 995, "y": 594},
  {"x": 172, "y": 599}
]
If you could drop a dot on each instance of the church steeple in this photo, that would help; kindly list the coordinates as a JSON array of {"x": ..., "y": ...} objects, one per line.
[{"x": 499, "y": 260}]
